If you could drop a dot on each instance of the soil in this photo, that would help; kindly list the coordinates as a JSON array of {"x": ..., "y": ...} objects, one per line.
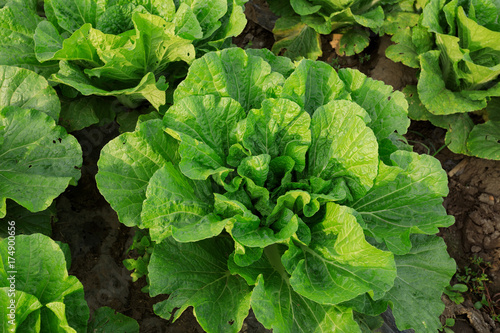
[{"x": 99, "y": 242}]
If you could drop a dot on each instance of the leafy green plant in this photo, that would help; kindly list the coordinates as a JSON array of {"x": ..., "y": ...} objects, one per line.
[
  {"x": 455, "y": 47},
  {"x": 455, "y": 292},
  {"x": 301, "y": 22},
  {"x": 38, "y": 159},
  {"x": 38, "y": 295},
  {"x": 283, "y": 187},
  {"x": 476, "y": 279},
  {"x": 143, "y": 246},
  {"x": 447, "y": 327},
  {"x": 46, "y": 298},
  {"x": 119, "y": 48}
]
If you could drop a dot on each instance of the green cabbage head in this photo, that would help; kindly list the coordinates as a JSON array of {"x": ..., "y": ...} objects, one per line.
[{"x": 283, "y": 187}]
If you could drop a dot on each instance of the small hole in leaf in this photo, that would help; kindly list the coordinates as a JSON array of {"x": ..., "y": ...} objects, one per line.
[
  {"x": 401, "y": 53},
  {"x": 53, "y": 141},
  {"x": 230, "y": 322},
  {"x": 29, "y": 166},
  {"x": 411, "y": 95},
  {"x": 60, "y": 140},
  {"x": 77, "y": 168},
  {"x": 389, "y": 98}
]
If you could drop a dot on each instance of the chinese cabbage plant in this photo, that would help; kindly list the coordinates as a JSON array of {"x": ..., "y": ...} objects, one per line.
[
  {"x": 283, "y": 187},
  {"x": 302, "y": 21},
  {"x": 121, "y": 48},
  {"x": 455, "y": 46},
  {"x": 34, "y": 274}
]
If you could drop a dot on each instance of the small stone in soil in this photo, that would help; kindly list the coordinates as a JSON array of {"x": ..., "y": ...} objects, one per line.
[
  {"x": 491, "y": 243},
  {"x": 487, "y": 198},
  {"x": 475, "y": 249}
]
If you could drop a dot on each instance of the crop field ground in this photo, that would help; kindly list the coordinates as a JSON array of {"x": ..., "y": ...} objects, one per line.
[{"x": 99, "y": 242}]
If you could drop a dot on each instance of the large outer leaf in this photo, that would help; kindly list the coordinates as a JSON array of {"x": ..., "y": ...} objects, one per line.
[
  {"x": 404, "y": 50},
  {"x": 25, "y": 305},
  {"x": 279, "y": 128},
  {"x": 372, "y": 18},
  {"x": 230, "y": 73},
  {"x": 353, "y": 42},
  {"x": 343, "y": 146},
  {"x": 72, "y": 14},
  {"x": 82, "y": 112},
  {"x": 147, "y": 88},
  {"x": 303, "y": 7},
  {"x": 405, "y": 199},
  {"x": 17, "y": 26},
  {"x": 50, "y": 45},
  {"x": 38, "y": 159},
  {"x": 282, "y": 65},
  {"x": 26, "y": 89},
  {"x": 203, "y": 125},
  {"x": 179, "y": 206},
  {"x": 423, "y": 274},
  {"x": 41, "y": 272},
  {"x": 186, "y": 23},
  {"x": 458, "y": 125},
  {"x": 313, "y": 84},
  {"x": 484, "y": 140},
  {"x": 108, "y": 320},
  {"x": 339, "y": 264},
  {"x": 196, "y": 274},
  {"x": 297, "y": 38},
  {"x": 278, "y": 307},
  {"x": 388, "y": 109},
  {"x": 127, "y": 164}
]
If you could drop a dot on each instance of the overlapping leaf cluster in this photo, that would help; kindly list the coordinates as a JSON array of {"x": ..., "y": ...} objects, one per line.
[
  {"x": 455, "y": 46},
  {"x": 116, "y": 48},
  {"x": 34, "y": 273},
  {"x": 285, "y": 188},
  {"x": 302, "y": 21}
]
